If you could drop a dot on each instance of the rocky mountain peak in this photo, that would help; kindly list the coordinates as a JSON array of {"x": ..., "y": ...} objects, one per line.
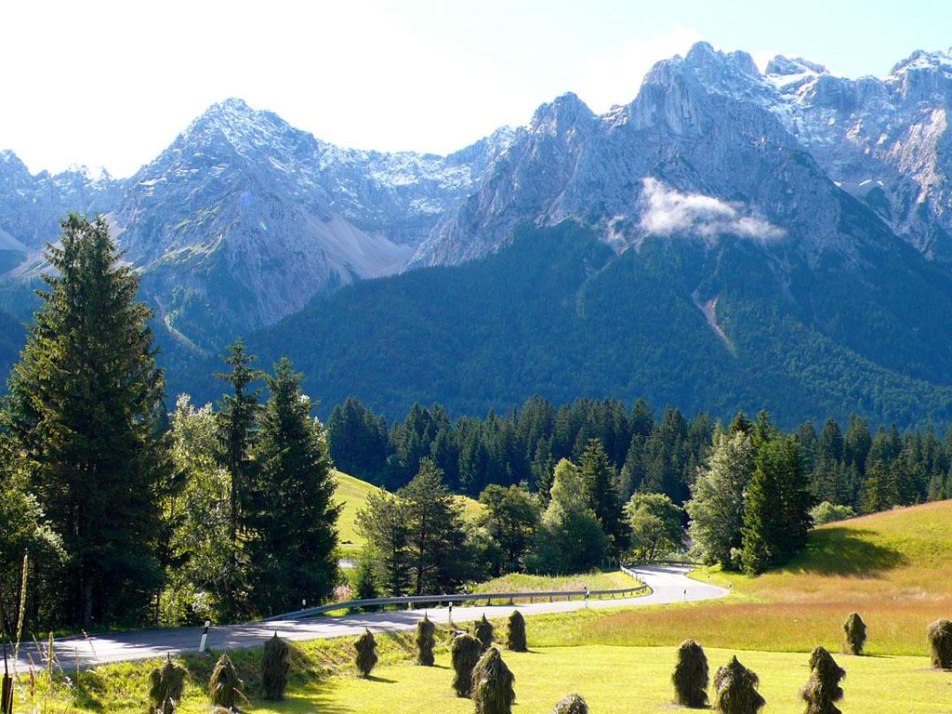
[
  {"x": 922, "y": 76},
  {"x": 562, "y": 113},
  {"x": 787, "y": 66}
]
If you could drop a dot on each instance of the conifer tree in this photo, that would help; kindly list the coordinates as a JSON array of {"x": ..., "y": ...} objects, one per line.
[
  {"x": 291, "y": 516},
  {"x": 237, "y": 428},
  {"x": 717, "y": 504},
  {"x": 601, "y": 488},
  {"x": 85, "y": 408},
  {"x": 237, "y": 418},
  {"x": 777, "y": 510}
]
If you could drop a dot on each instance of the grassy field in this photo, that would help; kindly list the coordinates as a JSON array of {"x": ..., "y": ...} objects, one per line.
[
  {"x": 353, "y": 493},
  {"x": 629, "y": 679},
  {"x": 893, "y": 568},
  {"x": 611, "y": 678}
]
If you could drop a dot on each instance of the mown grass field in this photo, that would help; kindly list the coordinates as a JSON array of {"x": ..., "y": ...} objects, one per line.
[{"x": 893, "y": 568}]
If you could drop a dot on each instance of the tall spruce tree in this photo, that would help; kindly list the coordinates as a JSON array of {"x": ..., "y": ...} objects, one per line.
[
  {"x": 601, "y": 487},
  {"x": 237, "y": 429},
  {"x": 777, "y": 510},
  {"x": 85, "y": 407},
  {"x": 291, "y": 514},
  {"x": 237, "y": 418}
]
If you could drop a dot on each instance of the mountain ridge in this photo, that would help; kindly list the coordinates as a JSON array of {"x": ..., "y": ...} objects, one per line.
[{"x": 834, "y": 192}]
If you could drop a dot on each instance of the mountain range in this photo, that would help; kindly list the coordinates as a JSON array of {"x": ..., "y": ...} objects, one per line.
[{"x": 730, "y": 239}]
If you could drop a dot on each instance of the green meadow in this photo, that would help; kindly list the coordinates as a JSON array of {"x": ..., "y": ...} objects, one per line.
[{"x": 893, "y": 568}]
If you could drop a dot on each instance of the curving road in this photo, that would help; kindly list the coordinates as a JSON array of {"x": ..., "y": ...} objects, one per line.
[{"x": 668, "y": 585}]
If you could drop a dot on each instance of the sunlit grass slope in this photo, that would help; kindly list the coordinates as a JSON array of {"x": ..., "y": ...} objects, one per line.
[
  {"x": 894, "y": 568},
  {"x": 522, "y": 582},
  {"x": 353, "y": 493}
]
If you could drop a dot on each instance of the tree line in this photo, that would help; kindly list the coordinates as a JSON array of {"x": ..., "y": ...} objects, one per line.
[
  {"x": 115, "y": 512},
  {"x": 846, "y": 465}
]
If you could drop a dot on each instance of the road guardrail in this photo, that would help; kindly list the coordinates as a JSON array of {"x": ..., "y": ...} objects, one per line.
[{"x": 409, "y": 601}]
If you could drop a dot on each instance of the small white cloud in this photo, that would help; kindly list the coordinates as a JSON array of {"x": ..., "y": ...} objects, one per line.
[{"x": 668, "y": 212}]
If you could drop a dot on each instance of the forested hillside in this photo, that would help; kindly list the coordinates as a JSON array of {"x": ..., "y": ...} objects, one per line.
[{"x": 560, "y": 315}]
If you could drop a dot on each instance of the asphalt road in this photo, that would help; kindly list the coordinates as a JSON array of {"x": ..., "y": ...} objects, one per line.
[{"x": 668, "y": 585}]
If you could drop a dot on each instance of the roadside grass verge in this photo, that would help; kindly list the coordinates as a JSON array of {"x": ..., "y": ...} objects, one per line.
[{"x": 521, "y": 582}]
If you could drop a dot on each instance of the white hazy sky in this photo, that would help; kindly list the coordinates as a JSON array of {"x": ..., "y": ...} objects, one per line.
[{"x": 111, "y": 84}]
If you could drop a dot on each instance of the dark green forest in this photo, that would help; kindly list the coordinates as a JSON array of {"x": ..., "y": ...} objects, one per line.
[{"x": 559, "y": 315}]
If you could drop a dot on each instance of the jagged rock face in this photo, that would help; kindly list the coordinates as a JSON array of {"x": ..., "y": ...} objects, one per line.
[
  {"x": 887, "y": 142},
  {"x": 244, "y": 218},
  {"x": 32, "y": 206},
  {"x": 703, "y": 131}
]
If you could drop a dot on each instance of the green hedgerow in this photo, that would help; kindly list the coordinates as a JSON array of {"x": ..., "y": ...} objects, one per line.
[
  {"x": 492, "y": 684},
  {"x": 690, "y": 676}
]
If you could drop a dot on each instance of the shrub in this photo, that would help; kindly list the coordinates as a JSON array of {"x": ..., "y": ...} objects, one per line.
[
  {"x": 492, "y": 684},
  {"x": 940, "y": 644},
  {"x": 827, "y": 512},
  {"x": 516, "y": 640},
  {"x": 168, "y": 683},
  {"x": 464, "y": 650},
  {"x": 366, "y": 653},
  {"x": 425, "y": 641},
  {"x": 823, "y": 687},
  {"x": 484, "y": 633},
  {"x": 690, "y": 676},
  {"x": 571, "y": 704},
  {"x": 855, "y": 630},
  {"x": 225, "y": 687},
  {"x": 736, "y": 688},
  {"x": 275, "y": 667}
]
